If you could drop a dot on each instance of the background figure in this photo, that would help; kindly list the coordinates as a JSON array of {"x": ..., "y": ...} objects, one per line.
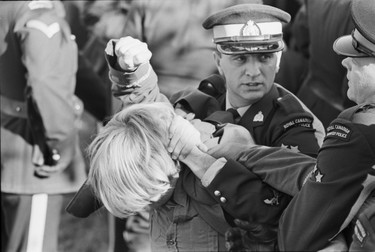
[
  {"x": 182, "y": 50},
  {"x": 294, "y": 63},
  {"x": 324, "y": 88},
  {"x": 40, "y": 155}
]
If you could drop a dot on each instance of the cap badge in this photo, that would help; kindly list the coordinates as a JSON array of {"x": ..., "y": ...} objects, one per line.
[{"x": 250, "y": 29}]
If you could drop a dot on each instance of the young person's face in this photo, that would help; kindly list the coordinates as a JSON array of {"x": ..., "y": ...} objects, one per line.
[
  {"x": 248, "y": 76},
  {"x": 361, "y": 76}
]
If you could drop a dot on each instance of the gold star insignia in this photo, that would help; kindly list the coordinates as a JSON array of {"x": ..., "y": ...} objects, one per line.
[
  {"x": 285, "y": 146},
  {"x": 294, "y": 148},
  {"x": 319, "y": 177}
]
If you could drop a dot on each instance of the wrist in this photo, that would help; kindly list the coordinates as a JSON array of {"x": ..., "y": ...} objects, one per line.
[{"x": 198, "y": 161}]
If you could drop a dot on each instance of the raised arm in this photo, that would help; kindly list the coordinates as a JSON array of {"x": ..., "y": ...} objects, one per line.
[{"x": 133, "y": 79}]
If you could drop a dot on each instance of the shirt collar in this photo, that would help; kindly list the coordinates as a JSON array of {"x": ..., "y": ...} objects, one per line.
[{"x": 240, "y": 110}]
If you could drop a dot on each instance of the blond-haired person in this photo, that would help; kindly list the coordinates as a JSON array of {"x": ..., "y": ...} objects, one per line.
[
  {"x": 130, "y": 166},
  {"x": 132, "y": 170}
]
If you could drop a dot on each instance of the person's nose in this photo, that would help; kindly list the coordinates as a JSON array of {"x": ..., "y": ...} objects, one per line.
[
  {"x": 252, "y": 68},
  {"x": 346, "y": 63}
]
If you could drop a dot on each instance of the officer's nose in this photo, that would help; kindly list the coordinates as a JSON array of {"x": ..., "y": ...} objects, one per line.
[{"x": 252, "y": 68}]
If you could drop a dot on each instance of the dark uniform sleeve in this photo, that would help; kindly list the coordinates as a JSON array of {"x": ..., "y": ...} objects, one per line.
[
  {"x": 297, "y": 129},
  {"x": 50, "y": 57},
  {"x": 316, "y": 214},
  {"x": 249, "y": 198},
  {"x": 257, "y": 173}
]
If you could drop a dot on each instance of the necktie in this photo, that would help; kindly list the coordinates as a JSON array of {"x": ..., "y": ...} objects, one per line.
[
  {"x": 220, "y": 117},
  {"x": 236, "y": 115}
]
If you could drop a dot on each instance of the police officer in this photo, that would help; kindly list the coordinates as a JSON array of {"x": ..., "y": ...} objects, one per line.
[
  {"x": 40, "y": 156},
  {"x": 344, "y": 175}
]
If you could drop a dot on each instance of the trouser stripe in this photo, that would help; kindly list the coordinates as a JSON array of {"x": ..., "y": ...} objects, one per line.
[{"x": 37, "y": 223}]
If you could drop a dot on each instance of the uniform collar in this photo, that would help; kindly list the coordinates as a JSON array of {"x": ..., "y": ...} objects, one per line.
[{"x": 240, "y": 110}]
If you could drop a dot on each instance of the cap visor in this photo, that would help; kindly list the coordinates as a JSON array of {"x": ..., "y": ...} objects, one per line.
[
  {"x": 84, "y": 202},
  {"x": 344, "y": 46},
  {"x": 249, "y": 47}
]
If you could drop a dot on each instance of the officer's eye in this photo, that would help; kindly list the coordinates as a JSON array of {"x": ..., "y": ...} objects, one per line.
[
  {"x": 266, "y": 57},
  {"x": 239, "y": 59}
]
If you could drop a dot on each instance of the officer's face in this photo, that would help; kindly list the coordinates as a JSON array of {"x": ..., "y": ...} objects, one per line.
[
  {"x": 248, "y": 76},
  {"x": 361, "y": 76}
]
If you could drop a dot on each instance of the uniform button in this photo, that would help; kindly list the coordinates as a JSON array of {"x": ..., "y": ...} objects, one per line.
[
  {"x": 55, "y": 155},
  {"x": 217, "y": 193},
  {"x": 77, "y": 107},
  {"x": 18, "y": 109},
  {"x": 170, "y": 242},
  {"x": 223, "y": 200}
]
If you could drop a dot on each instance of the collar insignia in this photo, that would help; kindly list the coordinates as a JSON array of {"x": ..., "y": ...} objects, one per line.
[{"x": 259, "y": 117}]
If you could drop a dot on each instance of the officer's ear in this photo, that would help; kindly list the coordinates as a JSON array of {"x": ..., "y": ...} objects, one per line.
[
  {"x": 217, "y": 58},
  {"x": 278, "y": 59}
]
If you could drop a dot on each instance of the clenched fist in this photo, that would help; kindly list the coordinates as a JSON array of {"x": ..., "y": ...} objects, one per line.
[{"x": 131, "y": 53}]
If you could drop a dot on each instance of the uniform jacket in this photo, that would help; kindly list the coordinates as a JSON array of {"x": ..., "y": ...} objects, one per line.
[
  {"x": 345, "y": 165},
  {"x": 37, "y": 51}
]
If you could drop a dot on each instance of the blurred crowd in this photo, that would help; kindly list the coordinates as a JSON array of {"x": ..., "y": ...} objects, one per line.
[{"x": 58, "y": 92}]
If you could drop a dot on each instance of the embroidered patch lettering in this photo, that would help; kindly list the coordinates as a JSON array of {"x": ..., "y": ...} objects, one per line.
[
  {"x": 298, "y": 122},
  {"x": 48, "y": 30},
  {"x": 339, "y": 131}
]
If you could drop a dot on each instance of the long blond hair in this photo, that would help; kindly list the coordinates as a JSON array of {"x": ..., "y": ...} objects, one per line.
[{"x": 130, "y": 167}]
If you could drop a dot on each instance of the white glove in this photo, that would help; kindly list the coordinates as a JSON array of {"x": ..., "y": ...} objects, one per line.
[
  {"x": 131, "y": 53},
  {"x": 183, "y": 138}
]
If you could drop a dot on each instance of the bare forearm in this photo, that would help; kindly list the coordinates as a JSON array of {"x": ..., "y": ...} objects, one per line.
[{"x": 199, "y": 162}]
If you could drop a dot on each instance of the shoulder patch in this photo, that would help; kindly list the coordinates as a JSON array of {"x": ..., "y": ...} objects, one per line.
[
  {"x": 301, "y": 121},
  {"x": 48, "y": 30},
  {"x": 33, "y": 5},
  {"x": 339, "y": 131}
]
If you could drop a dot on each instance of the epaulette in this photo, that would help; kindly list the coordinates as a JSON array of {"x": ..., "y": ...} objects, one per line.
[
  {"x": 289, "y": 104},
  {"x": 213, "y": 85},
  {"x": 38, "y": 4},
  {"x": 359, "y": 114},
  {"x": 365, "y": 115}
]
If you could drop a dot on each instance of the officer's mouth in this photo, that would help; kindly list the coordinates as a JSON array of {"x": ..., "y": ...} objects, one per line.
[{"x": 252, "y": 84}]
